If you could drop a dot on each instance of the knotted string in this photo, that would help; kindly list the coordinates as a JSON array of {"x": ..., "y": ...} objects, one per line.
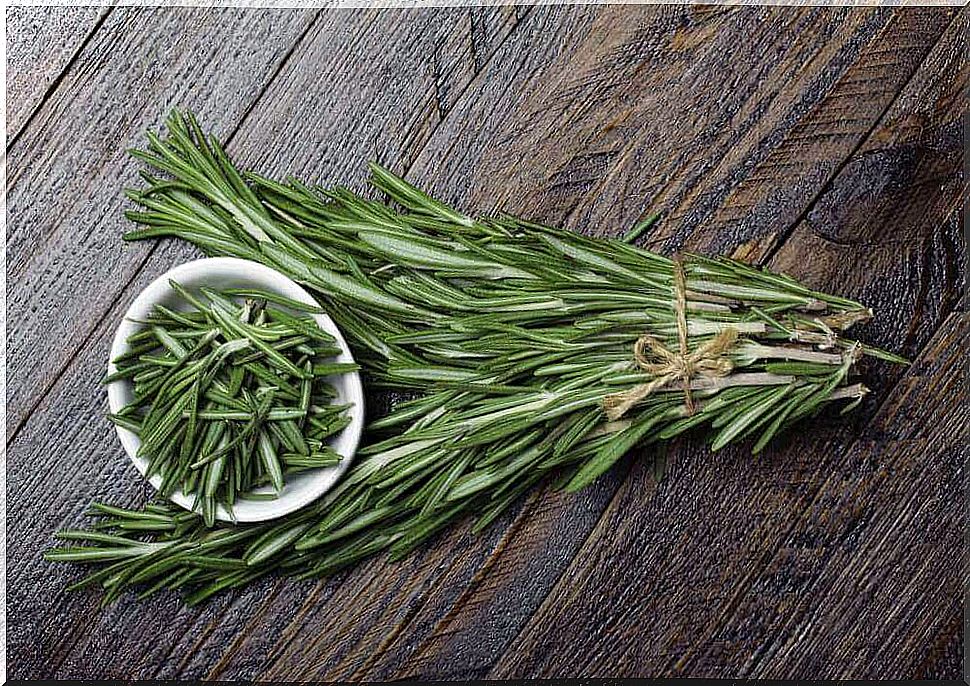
[{"x": 666, "y": 366}]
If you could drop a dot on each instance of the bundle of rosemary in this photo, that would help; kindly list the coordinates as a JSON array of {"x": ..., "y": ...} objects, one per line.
[
  {"x": 533, "y": 353},
  {"x": 229, "y": 397}
]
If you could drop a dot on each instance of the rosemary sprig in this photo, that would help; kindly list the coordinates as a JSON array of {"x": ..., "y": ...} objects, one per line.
[
  {"x": 513, "y": 336},
  {"x": 226, "y": 395}
]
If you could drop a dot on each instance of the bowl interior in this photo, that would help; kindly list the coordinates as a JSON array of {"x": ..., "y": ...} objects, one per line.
[{"x": 222, "y": 273}]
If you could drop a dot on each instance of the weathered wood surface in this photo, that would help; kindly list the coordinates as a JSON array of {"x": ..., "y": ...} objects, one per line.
[
  {"x": 825, "y": 141},
  {"x": 40, "y": 48}
]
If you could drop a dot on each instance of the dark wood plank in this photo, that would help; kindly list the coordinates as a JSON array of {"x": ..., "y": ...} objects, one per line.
[
  {"x": 206, "y": 645},
  {"x": 696, "y": 575},
  {"x": 897, "y": 200},
  {"x": 902, "y": 193},
  {"x": 292, "y": 630},
  {"x": 466, "y": 637},
  {"x": 115, "y": 642},
  {"x": 67, "y": 267},
  {"x": 324, "y": 118},
  {"x": 41, "y": 42},
  {"x": 686, "y": 111},
  {"x": 888, "y": 583},
  {"x": 943, "y": 656}
]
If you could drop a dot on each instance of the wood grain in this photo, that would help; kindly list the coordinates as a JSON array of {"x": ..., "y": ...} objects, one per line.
[
  {"x": 801, "y": 134},
  {"x": 896, "y": 201},
  {"x": 874, "y": 552},
  {"x": 677, "y": 108},
  {"x": 65, "y": 264},
  {"x": 41, "y": 43},
  {"x": 870, "y": 553}
]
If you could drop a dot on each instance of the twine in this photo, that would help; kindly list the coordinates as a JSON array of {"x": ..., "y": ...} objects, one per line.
[{"x": 667, "y": 366}]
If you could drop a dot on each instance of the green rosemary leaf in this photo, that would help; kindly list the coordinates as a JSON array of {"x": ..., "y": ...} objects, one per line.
[
  {"x": 413, "y": 198},
  {"x": 607, "y": 456},
  {"x": 751, "y": 413},
  {"x": 126, "y": 423},
  {"x": 331, "y": 368},
  {"x": 270, "y": 460},
  {"x": 272, "y": 542},
  {"x": 326, "y": 280},
  {"x": 633, "y": 234},
  {"x": 781, "y": 415},
  {"x": 92, "y": 554}
]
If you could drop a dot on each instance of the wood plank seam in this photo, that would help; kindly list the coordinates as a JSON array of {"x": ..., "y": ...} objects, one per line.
[
  {"x": 930, "y": 345},
  {"x": 213, "y": 622},
  {"x": 521, "y": 516},
  {"x": 479, "y": 68},
  {"x": 615, "y": 162},
  {"x": 733, "y": 602},
  {"x": 234, "y": 643},
  {"x": 490, "y": 561},
  {"x": 102, "y": 332},
  {"x": 151, "y": 251},
  {"x": 947, "y": 312},
  {"x": 768, "y": 554},
  {"x": 397, "y": 630},
  {"x": 804, "y": 511},
  {"x": 816, "y": 124},
  {"x": 143, "y": 265},
  {"x": 286, "y": 635},
  {"x": 56, "y": 82},
  {"x": 67, "y": 364},
  {"x": 593, "y": 533},
  {"x": 674, "y": 212},
  {"x": 785, "y": 234}
]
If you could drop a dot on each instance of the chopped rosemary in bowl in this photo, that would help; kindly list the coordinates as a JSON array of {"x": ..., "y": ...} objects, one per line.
[{"x": 233, "y": 400}]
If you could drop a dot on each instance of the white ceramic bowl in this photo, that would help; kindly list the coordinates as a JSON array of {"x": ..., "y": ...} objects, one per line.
[{"x": 229, "y": 272}]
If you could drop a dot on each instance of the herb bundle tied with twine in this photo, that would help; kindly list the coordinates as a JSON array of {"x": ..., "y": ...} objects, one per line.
[{"x": 533, "y": 355}]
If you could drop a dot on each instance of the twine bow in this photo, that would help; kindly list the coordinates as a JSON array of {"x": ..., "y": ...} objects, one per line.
[{"x": 666, "y": 366}]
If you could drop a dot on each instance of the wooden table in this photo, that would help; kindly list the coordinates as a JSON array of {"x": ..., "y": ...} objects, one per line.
[{"x": 823, "y": 142}]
